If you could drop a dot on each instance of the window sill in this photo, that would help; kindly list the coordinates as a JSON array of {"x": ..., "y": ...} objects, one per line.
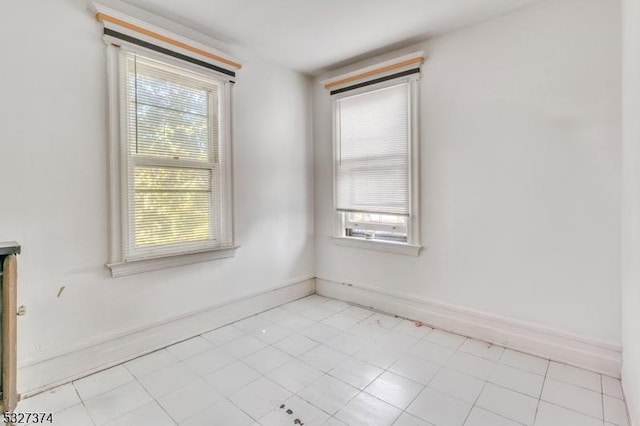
[
  {"x": 130, "y": 267},
  {"x": 386, "y": 246}
]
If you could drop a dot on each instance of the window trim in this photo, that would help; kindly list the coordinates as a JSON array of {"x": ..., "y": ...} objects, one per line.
[
  {"x": 412, "y": 246},
  {"x": 379, "y": 245},
  {"x": 119, "y": 262}
]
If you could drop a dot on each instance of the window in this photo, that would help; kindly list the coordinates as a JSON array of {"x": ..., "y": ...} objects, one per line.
[
  {"x": 375, "y": 162},
  {"x": 170, "y": 178},
  {"x": 174, "y": 163},
  {"x": 174, "y": 140}
]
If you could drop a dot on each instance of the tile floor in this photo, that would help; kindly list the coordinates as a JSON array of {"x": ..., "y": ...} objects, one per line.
[{"x": 320, "y": 361}]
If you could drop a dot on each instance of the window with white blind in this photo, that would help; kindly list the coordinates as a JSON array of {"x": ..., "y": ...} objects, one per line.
[
  {"x": 375, "y": 149},
  {"x": 175, "y": 189}
]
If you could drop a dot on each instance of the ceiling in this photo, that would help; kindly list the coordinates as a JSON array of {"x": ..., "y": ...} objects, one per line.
[{"x": 315, "y": 35}]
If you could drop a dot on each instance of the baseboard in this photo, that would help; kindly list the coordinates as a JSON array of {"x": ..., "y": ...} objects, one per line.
[
  {"x": 601, "y": 357},
  {"x": 631, "y": 396},
  {"x": 63, "y": 368}
]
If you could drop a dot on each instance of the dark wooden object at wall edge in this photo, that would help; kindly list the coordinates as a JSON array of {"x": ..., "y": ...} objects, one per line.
[{"x": 8, "y": 283}]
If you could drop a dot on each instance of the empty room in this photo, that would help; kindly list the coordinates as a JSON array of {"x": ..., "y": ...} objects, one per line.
[{"x": 306, "y": 212}]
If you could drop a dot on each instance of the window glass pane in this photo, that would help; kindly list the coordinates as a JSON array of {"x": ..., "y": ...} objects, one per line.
[
  {"x": 376, "y": 226},
  {"x": 176, "y": 175},
  {"x": 170, "y": 114},
  {"x": 377, "y": 218},
  {"x": 171, "y": 205},
  {"x": 170, "y": 133},
  {"x": 155, "y": 89}
]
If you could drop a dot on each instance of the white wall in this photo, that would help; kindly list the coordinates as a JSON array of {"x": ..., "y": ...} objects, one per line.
[
  {"x": 53, "y": 161},
  {"x": 520, "y": 140},
  {"x": 631, "y": 207}
]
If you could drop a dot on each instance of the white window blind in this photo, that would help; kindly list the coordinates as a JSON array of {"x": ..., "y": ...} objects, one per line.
[
  {"x": 176, "y": 189},
  {"x": 372, "y": 164}
]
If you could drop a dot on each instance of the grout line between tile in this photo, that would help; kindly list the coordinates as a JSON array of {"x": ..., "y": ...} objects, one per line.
[{"x": 83, "y": 404}]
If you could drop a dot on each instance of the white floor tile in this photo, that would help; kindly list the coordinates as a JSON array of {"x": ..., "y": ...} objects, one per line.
[
  {"x": 150, "y": 363},
  {"x": 333, "y": 422},
  {"x": 412, "y": 328},
  {"x": 458, "y": 385},
  {"x": 481, "y": 417},
  {"x": 223, "y": 335},
  {"x": 72, "y": 416},
  {"x": 356, "y": 372},
  {"x": 51, "y": 401},
  {"x": 611, "y": 387},
  {"x": 530, "y": 363},
  {"x": 316, "y": 314},
  {"x": 221, "y": 413},
  {"x": 575, "y": 376},
  {"x": 341, "y": 321},
  {"x": 335, "y": 305},
  {"x": 328, "y": 393},
  {"x": 366, "y": 410},
  {"x": 274, "y": 315},
  {"x": 272, "y": 333},
  {"x": 482, "y": 349},
  {"x": 445, "y": 338},
  {"x": 103, "y": 381},
  {"x": 383, "y": 320},
  {"x": 294, "y": 409},
  {"x": 243, "y": 346},
  {"x": 472, "y": 365},
  {"x": 379, "y": 354},
  {"x": 295, "y": 345},
  {"x": 318, "y": 299},
  {"x": 554, "y": 415},
  {"x": 150, "y": 414},
  {"x": 431, "y": 352},
  {"x": 190, "y": 399},
  {"x": 358, "y": 313},
  {"x": 517, "y": 380},
  {"x": 573, "y": 397},
  {"x": 251, "y": 324},
  {"x": 507, "y": 403},
  {"x": 168, "y": 379},
  {"x": 298, "y": 305},
  {"x": 267, "y": 359},
  {"x": 397, "y": 340},
  {"x": 117, "y": 402},
  {"x": 295, "y": 375},
  {"x": 234, "y": 376},
  {"x": 260, "y": 397},
  {"x": 416, "y": 369},
  {"x": 296, "y": 322},
  {"x": 323, "y": 357},
  {"x": 439, "y": 409},
  {"x": 396, "y": 390},
  {"x": 208, "y": 362},
  {"x": 321, "y": 333},
  {"x": 189, "y": 348},
  {"x": 349, "y": 343},
  {"x": 615, "y": 411},
  {"x": 407, "y": 419},
  {"x": 368, "y": 330}
]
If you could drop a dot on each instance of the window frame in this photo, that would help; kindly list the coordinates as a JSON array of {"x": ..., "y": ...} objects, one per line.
[
  {"x": 412, "y": 246},
  {"x": 124, "y": 259}
]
